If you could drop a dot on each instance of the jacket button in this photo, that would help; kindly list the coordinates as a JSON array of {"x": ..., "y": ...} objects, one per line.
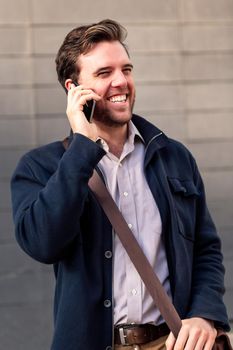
[
  {"x": 108, "y": 254},
  {"x": 108, "y": 348},
  {"x": 107, "y": 303}
]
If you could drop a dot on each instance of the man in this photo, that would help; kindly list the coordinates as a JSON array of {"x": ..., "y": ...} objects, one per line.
[{"x": 156, "y": 184}]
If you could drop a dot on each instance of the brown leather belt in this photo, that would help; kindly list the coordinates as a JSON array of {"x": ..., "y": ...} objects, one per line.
[{"x": 130, "y": 334}]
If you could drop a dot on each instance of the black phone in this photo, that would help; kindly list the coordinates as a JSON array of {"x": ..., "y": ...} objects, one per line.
[{"x": 88, "y": 108}]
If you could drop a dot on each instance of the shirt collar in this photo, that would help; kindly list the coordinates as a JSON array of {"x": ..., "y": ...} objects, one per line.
[{"x": 133, "y": 133}]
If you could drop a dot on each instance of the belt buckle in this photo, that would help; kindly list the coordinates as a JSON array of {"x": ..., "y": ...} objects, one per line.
[{"x": 122, "y": 336}]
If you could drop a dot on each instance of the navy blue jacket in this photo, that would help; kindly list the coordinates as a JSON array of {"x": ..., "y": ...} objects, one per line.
[{"x": 58, "y": 221}]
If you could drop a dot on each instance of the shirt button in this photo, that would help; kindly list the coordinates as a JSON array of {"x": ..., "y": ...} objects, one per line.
[
  {"x": 134, "y": 291},
  {"x": 107, "y": 303},
  {"x": 130, "y": 225},
  {"x": 108, "y": 254},
  {"x": 126, "y": 194}
]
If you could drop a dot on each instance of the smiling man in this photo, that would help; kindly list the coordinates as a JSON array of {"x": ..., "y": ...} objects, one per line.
[
  {"x": 105, "y": 76},
  {"x": 100, "y": 300}
]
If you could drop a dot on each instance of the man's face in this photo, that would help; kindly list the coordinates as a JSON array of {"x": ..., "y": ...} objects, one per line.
[{"x": 107, "y": 70}]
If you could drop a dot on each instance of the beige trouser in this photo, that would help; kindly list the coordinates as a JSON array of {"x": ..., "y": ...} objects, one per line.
[{"x": 158, "y": 344}]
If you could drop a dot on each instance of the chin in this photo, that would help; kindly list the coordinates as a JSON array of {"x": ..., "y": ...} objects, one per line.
[{"x": 113, "y": 119}]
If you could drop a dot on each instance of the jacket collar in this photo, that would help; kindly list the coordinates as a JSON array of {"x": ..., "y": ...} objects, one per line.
[
  {"x": 154, "y": 138},
  {"x": 151, "y": 135}
]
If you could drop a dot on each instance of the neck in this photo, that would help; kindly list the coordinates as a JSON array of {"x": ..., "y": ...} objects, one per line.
[{"x": 114, "y": 136}]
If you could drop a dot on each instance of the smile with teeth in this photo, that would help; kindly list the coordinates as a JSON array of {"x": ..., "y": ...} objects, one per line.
[{"x": 118, "y": 98}]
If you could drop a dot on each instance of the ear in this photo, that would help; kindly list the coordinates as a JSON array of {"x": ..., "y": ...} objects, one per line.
[{"x": 68, "y": 84}]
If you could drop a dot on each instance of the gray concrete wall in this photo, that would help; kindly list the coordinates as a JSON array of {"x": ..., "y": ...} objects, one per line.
[{"x": 183, "y": 56}]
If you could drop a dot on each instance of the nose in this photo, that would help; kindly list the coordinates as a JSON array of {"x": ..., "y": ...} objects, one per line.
[{"x": 119, "y": 80}]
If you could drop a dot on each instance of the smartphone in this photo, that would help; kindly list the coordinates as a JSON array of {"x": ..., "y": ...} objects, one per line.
[{"x": 88, "y": 108}]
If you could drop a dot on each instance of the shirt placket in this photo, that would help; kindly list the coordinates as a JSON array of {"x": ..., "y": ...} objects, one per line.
[{"x": 133, "y": 280}]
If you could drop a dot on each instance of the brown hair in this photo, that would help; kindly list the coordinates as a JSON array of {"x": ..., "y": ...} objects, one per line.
[{"x": 80, "y": 41}]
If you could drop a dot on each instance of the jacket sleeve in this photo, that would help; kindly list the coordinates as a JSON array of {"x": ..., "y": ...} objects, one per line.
[
  {"x": 208, "y": 270},
  {"x": 47, "y": 212}
]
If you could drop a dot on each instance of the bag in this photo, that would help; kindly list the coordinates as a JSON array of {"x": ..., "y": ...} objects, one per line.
[{"x": 222, "y": 341}]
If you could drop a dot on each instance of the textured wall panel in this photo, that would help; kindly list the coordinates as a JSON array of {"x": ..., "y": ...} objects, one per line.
[
  {"x": 16, "y": 71},
  {"x": 16, "y": 102},
  {"x": 159, "y": 97},
  {"x": 215, "y": 155},
  {"x": 17, "y": 133},
  {"x": 208, "y": 37},
  {"x": 219, "y": 184},
  {"x": 158, "y": 37},
  {"x": 45, "y": 12},
  {"x": 206, "y": 10},
  {"x": 208, "y": 66},
  {"x": 210, "y": 125},
  {"x": 14, "y": 40},
  {"x": 162, "y": 68},
  {"x": 210, "y": 96},
  {"x": 26, "y": 326},
  {"x": 14, "y": 11}
]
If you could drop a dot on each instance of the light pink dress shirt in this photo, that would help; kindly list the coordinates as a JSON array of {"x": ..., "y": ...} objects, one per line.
[{"x": 127, "y": 184}]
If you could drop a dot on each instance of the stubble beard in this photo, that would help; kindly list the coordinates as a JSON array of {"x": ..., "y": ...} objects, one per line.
[{"x": 106, "y": 117}]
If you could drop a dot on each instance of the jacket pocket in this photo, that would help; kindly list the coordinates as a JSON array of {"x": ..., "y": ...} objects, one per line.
[{"x": 184, "y": 195}]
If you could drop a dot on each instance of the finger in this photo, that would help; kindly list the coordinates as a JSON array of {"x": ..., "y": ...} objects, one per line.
[
  {"x": 72, "y": 87},
  {"x": 170, "y": 341},
  {"x": 74, "y": 90},
  {"x": 76, "y": 98},
  {"x": 93, "y": 96},
  {"x": 76, "y": 86},
  {"x": 182, "y": 338},
  {"x": 204, "y": 343},
  {"x": 196, "y": 340},
  {"x": 210, "y": 343},
  {"x": 83, "y": 100},
  {"x": 78, "y": 92},
  {"x": 89, "y": 94}
]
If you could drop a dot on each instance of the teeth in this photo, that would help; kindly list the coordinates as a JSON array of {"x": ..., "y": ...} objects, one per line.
[{"x": 119, "y": 98}]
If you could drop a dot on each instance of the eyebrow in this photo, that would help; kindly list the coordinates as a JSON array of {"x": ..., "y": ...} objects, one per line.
[{"x": 102, "y": 69}]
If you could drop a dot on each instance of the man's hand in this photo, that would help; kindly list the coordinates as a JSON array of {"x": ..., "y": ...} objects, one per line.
[
  {"x": 195, "y": 334},
  {"x": 76, "y": 99}
]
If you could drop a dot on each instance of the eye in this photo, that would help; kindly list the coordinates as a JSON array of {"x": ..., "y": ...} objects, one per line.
[
  {"x": 103, "y": 73},
  {"x": 127, "y": 70}
]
